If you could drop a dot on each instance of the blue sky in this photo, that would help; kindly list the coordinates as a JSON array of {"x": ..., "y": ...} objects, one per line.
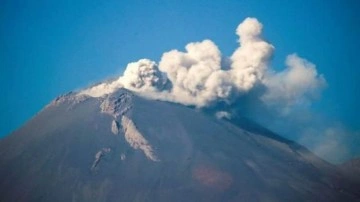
[{"x": 49, "y": 48}]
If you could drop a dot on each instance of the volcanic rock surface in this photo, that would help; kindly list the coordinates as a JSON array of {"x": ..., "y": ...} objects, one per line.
[{"x": 122, "y": 147}]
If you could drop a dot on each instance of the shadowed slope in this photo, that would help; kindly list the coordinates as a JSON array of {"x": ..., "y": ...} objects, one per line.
[{"x": 126, "y": 148}]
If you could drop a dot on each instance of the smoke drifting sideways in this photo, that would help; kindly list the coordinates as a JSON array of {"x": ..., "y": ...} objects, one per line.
[
  {"x": 202, "y": 77},
  {"x": 243, "y": 84}
]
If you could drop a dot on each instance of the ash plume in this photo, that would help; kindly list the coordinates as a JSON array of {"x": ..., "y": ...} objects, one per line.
[{"x": 196, "y": 76}]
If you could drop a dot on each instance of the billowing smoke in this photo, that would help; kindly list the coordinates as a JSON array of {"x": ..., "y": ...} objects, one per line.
[
  {"x": 243, "y": 84},
  {"x": 298, "y": 84},
  {"x": 143, "y": 75},
  {"x": 250, "y": 60},
  {"x": 196, "y": 77}
]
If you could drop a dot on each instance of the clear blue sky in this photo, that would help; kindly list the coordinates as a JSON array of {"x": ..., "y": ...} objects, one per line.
[{"x": 48, "y": 48}]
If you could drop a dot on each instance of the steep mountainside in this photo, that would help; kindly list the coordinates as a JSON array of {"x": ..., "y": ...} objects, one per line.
[
  {"x": 126, "y": 148},
  {"x": 351, "y": 169}
]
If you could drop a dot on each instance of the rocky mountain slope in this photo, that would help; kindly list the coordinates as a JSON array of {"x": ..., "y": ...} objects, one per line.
[{"x": 122, "y": 147}]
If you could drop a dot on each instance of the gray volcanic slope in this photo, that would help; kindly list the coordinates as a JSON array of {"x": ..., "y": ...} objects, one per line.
[{"x": 126, "y": 148}]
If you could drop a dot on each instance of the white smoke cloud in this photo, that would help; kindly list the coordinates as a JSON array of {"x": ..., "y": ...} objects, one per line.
[
  {"x": 200, "y": 76},
  {"x": 249, "y": 61},
  {"x": 143, "y": 75},
  {"x": 297, "y": 84},
  {"x": 102, "y": 89},
  {"x": 196, "y": 77}
]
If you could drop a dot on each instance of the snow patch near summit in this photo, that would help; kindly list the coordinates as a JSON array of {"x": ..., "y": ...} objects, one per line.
[{"x": 135, "y": 138}]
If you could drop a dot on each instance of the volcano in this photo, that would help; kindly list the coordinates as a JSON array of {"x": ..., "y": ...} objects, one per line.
[{"x": 123, "y": 147}]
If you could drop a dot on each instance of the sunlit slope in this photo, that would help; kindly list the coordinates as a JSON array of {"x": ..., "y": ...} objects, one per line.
[{"x": 125, "y": 148}]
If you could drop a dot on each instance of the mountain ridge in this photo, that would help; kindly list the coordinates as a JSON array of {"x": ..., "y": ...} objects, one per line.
[{"x": 196, "y": 157}]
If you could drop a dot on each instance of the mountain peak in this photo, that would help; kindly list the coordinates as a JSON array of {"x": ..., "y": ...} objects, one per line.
[
  {"x": 122, "y": 147},
  {"x": 117, "y": 104}
]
